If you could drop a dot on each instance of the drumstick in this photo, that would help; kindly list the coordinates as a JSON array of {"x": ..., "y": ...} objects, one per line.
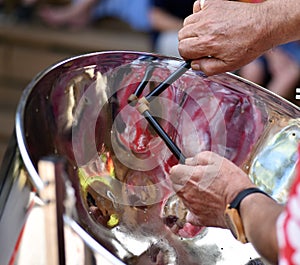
[
  {"x": 161, "y": 87},
  {"x": 143, "y": 108},
  {"x": 134, "y": 97},
  {"x": 167, "y": 82}
]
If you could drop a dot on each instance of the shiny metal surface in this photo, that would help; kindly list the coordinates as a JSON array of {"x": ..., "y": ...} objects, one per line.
[
  {"x": 118, "y": 167},
  {"x": 15, "y": 201},
  {"x": 276, "y": 159}
]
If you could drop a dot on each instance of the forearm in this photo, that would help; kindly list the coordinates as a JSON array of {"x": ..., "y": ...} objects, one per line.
[
  {"x": 282, "y": 20},
  {"x": 259, "y": 215}
]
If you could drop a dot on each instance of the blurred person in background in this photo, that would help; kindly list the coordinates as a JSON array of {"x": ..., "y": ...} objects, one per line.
[
  {"x": 77, "y": 14},
  {"x": 278, "y": 69},
  {"x": 80, "y": 13},
  {"x": 166, "y": 17},
  {"x": 24, "y": 10}
]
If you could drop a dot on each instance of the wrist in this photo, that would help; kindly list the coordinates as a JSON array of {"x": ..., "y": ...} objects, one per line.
[
  {"x": 259, "y": 214},
  {"x": 232, "y": 214},
  {"x": 254, "y": 209}
]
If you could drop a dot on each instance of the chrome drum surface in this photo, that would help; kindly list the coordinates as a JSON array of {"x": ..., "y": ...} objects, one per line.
[{"x": 118, "y": 166}]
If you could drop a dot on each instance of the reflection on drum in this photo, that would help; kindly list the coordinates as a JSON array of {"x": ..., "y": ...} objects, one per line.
[{"x": 119, "y": 167}]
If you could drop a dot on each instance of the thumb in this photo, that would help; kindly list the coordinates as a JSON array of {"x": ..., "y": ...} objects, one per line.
[{"x": 179, "y": 175}]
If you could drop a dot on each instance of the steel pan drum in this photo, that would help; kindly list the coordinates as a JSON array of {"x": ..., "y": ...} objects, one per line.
[{"x": 118, "y": 166}]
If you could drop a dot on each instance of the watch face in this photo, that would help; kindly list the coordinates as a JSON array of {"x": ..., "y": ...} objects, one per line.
[{"x": 234, "y": 224}]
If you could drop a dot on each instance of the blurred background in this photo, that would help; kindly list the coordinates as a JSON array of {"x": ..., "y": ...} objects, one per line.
[{"x": 31, "y": 40}]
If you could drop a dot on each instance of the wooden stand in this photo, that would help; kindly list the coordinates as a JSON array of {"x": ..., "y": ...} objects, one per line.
[{"x": 51, "y": 171}]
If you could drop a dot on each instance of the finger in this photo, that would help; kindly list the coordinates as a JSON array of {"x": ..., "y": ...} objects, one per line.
[
  {"x": 189, "y": 45},
  {"x": 210, "y": 66},
  {"x": 196, "y": 6},
  {"x": 201, "y": 159},
  {"x": 202, "y": 2},
  {"x": 182, "y": 177},
  {"x": 197, "y": 160},
  {"x": 180, "y": 174}
]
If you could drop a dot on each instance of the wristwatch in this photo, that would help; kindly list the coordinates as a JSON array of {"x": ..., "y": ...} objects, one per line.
[{"x": 232, "y": 215}]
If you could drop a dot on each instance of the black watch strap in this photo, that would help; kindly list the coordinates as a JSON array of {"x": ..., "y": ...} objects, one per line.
[{"x": 244, "y": 193}]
